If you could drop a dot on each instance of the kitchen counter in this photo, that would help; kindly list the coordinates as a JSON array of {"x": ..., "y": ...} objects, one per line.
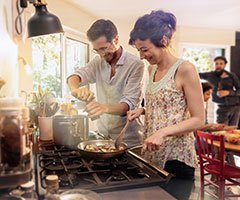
[
  {"x": 175, "y": 189},
  {"x": 148, "y": 193}
]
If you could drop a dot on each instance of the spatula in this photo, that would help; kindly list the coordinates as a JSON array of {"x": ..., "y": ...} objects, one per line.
[{"x": 119, "y": 138}]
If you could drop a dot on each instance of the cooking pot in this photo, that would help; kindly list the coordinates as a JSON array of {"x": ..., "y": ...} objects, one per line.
[
  {"x": 100, "y": 155},
  {"x": 69, "y": 131}
]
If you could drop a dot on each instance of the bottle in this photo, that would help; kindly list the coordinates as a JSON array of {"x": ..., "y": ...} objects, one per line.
[{"x": 52, "y": 187}]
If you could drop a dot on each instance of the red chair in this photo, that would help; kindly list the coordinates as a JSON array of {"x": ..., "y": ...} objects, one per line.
[{"x": 212, "y": 162}]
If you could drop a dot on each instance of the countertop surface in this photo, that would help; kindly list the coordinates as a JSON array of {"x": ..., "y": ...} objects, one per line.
[{"x": 148, "y": 193}]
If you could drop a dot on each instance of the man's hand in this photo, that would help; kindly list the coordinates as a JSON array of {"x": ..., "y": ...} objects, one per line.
[
  {"x": 83, "y": 94},
  {"x": 96, "y": 109},
  {"x": 223, "y": 93}
]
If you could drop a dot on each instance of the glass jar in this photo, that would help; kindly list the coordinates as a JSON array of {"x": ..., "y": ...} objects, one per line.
[
  {"x": 14, "y": 149},
  {"x": 11, "y": 131}
]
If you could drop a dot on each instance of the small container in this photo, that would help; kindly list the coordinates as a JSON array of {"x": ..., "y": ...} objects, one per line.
[
  {"x": 52, "y": 187},
  {"x": 28, "y": 191}
]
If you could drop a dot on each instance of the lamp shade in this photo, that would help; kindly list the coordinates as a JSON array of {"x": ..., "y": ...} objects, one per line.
[{"x": 43, "y": 22}]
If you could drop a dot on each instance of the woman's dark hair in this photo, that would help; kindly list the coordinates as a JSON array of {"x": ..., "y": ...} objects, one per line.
[
  {"x": 221, "y": 58},
  {"x": 206, "y": 86},
  {"x": 154, "y": 26},
  {"x": 102, "y": 28}
]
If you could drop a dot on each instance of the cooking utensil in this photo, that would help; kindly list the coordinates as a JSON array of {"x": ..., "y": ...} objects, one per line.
[
  {"x": 119, "y": 138},
  {"x": 69, "y": 131},
  {"x": 100, "y": 155}
]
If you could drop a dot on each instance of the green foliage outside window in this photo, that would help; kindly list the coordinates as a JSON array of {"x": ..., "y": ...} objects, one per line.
[{"x": 46, "y": 60}]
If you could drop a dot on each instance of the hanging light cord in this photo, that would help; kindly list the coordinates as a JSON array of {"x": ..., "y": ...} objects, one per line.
[{"x": 18, "y": 20}]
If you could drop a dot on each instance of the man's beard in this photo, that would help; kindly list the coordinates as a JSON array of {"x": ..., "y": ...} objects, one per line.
[
  {"x": 114, "y": 55},
  {"x": 219, "y": 72}
]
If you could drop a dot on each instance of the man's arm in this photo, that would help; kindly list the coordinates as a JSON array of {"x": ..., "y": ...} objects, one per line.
[
  {"x": 81, "y": 77},
  {"x": 205, "y": 75},
  {"x": 96, "y": 109},
  {"x": 73, "y": 82}
]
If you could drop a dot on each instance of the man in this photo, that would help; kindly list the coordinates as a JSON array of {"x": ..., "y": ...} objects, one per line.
[
  {"x": 225, "y": 93},
  {"x": 118, "y": 77}
]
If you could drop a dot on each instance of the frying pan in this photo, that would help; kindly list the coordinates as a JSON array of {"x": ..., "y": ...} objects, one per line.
[{"x": 100, "y": 155}]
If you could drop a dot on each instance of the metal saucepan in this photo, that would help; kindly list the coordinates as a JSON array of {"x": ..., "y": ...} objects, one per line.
[
  {"x": 69, "y": 131},
  {"x": 100, "y": 155}
]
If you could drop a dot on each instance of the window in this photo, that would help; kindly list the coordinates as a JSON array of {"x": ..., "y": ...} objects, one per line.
[
  {"x": 202, "y": 57},
  {"x": 76, "y": 57},
  {"x": 55, "y": 57},
  {"x": 46, "y": 59}
]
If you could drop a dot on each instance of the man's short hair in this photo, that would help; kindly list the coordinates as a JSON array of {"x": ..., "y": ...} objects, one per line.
[
  {"x": 221, "y": 58},
  {"x": 101, "y": 28}
]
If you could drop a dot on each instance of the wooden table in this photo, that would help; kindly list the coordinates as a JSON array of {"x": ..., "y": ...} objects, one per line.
[{"x": 229, "y": 146}]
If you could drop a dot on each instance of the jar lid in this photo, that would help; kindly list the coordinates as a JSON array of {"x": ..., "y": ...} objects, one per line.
[
  {"x": 28, "y": 185},
  {"x": 52, "y": 180},
  {"x": 10, "y": 102}
]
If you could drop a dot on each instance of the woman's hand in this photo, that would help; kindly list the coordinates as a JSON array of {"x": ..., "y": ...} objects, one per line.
[
  {"x": 153, "y": 142},
  {"x": 133, "y": 114}
]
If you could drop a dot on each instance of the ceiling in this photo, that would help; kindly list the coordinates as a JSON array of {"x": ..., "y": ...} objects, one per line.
[{"x": 217, "y": 14}]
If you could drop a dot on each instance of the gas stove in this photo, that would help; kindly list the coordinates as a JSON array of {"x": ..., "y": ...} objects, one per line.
[{"x": 74, "y": 171}]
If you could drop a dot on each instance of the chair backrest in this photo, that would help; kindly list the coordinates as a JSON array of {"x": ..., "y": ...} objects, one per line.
[{"x": 211, "y": 149}]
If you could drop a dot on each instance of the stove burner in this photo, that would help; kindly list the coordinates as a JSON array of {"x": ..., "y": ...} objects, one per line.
[
  {"x": 118, "y": 176},
  {"x": 68, "y": 180}
]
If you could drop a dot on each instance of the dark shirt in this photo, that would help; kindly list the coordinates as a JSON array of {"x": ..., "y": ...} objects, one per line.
[{"x": 230, "y": 83}]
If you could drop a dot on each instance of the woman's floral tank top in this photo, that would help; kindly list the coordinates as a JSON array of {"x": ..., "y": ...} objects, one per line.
[{"x": 166, "y": 106}]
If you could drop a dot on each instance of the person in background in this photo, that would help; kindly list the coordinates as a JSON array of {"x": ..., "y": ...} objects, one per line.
[
  {"x": 226, "y": 92},
  {"x": 173, "y": 91},
  {"x": 207, "y": 93},
  {"x": 118, "y": 77}
]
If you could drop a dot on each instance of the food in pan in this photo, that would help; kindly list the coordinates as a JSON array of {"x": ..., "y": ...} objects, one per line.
[{"x": 100, "y": 148}]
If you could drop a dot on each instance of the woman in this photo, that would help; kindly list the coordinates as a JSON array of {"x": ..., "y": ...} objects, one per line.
[
  {"x": 174, "y": 100},
  {"x": 207, "y": 89}
]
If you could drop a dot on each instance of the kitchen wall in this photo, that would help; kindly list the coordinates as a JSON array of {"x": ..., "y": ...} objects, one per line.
[
  {"x": 193, "y": 35},
  {"x": 8, "y": 52}
]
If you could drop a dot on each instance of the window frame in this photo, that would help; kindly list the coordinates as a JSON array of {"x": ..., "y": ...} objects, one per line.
[{"x": 76, "y": 36}]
